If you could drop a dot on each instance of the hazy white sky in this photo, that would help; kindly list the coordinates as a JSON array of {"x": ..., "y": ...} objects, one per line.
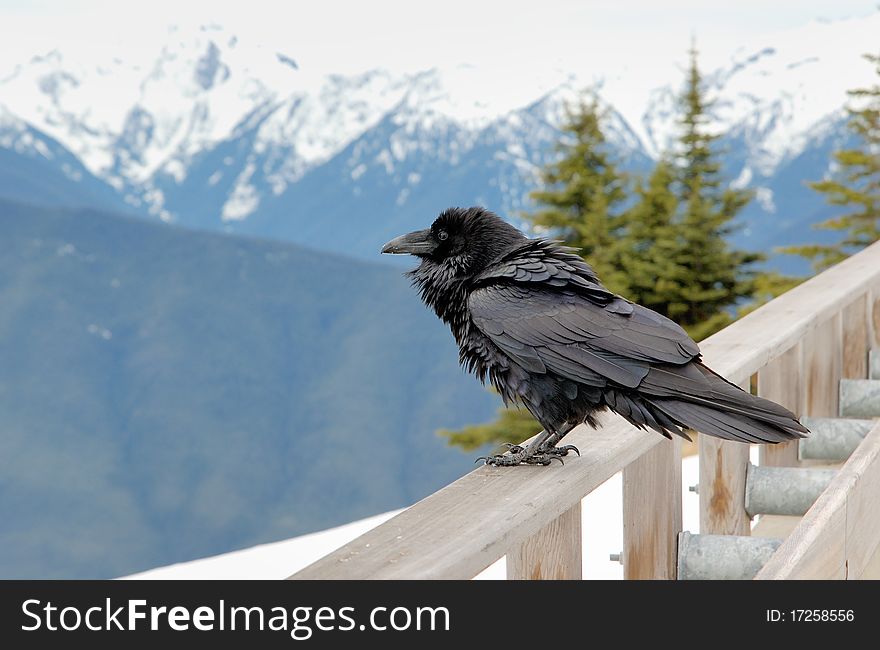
[{"x": 349, "y": 35}]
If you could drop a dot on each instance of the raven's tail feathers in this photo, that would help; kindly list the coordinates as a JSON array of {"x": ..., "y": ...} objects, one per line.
[{"x": 673, "y": 398}]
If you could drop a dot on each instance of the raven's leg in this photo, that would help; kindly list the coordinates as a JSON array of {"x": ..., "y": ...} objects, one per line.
[
  {"x": 528, "y": 455},
  {"x": 549, "y": 446}
]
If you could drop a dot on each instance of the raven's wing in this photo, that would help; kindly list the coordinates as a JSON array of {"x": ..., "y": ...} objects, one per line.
[
  {"x": 546, "y": 262},
  {"x": 588, "y": 339}
]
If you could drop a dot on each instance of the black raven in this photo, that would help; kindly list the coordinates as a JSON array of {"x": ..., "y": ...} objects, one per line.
[{"x": 532, "y": 316}]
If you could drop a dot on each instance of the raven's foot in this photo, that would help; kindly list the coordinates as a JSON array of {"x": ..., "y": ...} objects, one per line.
[
  {"x": 556, "y": 452},
  {"x": 519, "y": 457}
]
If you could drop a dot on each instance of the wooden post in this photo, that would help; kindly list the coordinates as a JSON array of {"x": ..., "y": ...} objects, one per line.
[
  {"x": 854, "y": 345},
  {"x": 854, "y": 322},
  {"x": 874, "y": 317},
  {"x": 723, "y": 466},
  {"x": 553, "y": 553},
  {"x": 652, "y": 513},
  {"x": 780, "y": 381},
  {"x": 821, "y": 352}
]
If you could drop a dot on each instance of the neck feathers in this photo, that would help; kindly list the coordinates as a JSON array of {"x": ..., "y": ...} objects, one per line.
[{"x": 442, "y": 290}]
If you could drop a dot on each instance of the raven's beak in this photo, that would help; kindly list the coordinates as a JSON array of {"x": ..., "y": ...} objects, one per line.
[{"x": 419, "y": 242}]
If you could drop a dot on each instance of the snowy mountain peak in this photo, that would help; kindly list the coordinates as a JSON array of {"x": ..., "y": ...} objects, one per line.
[
  {"x": 205, "y": 113},
  {"x": 779, "y": 95}
]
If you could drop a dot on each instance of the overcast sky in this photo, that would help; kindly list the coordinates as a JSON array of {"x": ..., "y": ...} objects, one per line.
[{"x": 404, "y": 35}]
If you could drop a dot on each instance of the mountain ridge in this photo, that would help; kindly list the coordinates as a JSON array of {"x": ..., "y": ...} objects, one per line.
[{"x": 216, "y": 133}]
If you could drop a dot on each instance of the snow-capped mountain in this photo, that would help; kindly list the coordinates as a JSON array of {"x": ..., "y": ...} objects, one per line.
[{"x": 214, "y": 132}]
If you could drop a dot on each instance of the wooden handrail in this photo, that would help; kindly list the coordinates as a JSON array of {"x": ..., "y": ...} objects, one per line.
[{"x": 466, "y": 526}]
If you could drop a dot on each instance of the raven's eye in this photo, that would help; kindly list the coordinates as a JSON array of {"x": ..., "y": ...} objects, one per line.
[{"x": 442, "y": 235}]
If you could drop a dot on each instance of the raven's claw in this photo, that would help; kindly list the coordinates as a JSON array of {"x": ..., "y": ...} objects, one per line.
[
  {"x": 558, "y": 451},
  {"x": 509, "y": 460},
  {"x": 518, "y": 455}
]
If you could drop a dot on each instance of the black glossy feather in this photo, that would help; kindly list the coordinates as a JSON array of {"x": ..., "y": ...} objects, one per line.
[{"x": 530, "y": 316}]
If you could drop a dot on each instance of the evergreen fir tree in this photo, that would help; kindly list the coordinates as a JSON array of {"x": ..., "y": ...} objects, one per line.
[
  {"x": 715, "y": 276},
  {"x": 857, "y": 185},
  {"x": 654, "y": 275},
  {"x": 582, "y": 195}
]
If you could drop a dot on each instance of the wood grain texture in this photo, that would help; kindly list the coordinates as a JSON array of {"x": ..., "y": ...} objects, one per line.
[
  {"x": 820, "y": 369},
  {"x": 874, "y": 316},
  {"x": 722, "y": 487},
  {"x": 838, "y": 536},
  {"x": 723, "y": 466},
  {"x": 780, "y": 381},
  {"x": 553, "y": 553},
  {"x": 854, "y": 326},
  {"x": 652, "y": 513}
]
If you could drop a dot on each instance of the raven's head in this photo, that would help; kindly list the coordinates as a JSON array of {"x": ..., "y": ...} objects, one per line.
[{"x": 460, "y": 242}]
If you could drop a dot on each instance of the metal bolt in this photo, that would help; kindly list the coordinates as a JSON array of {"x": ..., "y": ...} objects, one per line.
[
  {"x": 695, "y": 488},
  {"x": 616, "y": 557}
]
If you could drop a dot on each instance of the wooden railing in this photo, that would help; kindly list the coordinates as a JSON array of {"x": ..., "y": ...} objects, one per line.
[{"x": 800, "y": 345}]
